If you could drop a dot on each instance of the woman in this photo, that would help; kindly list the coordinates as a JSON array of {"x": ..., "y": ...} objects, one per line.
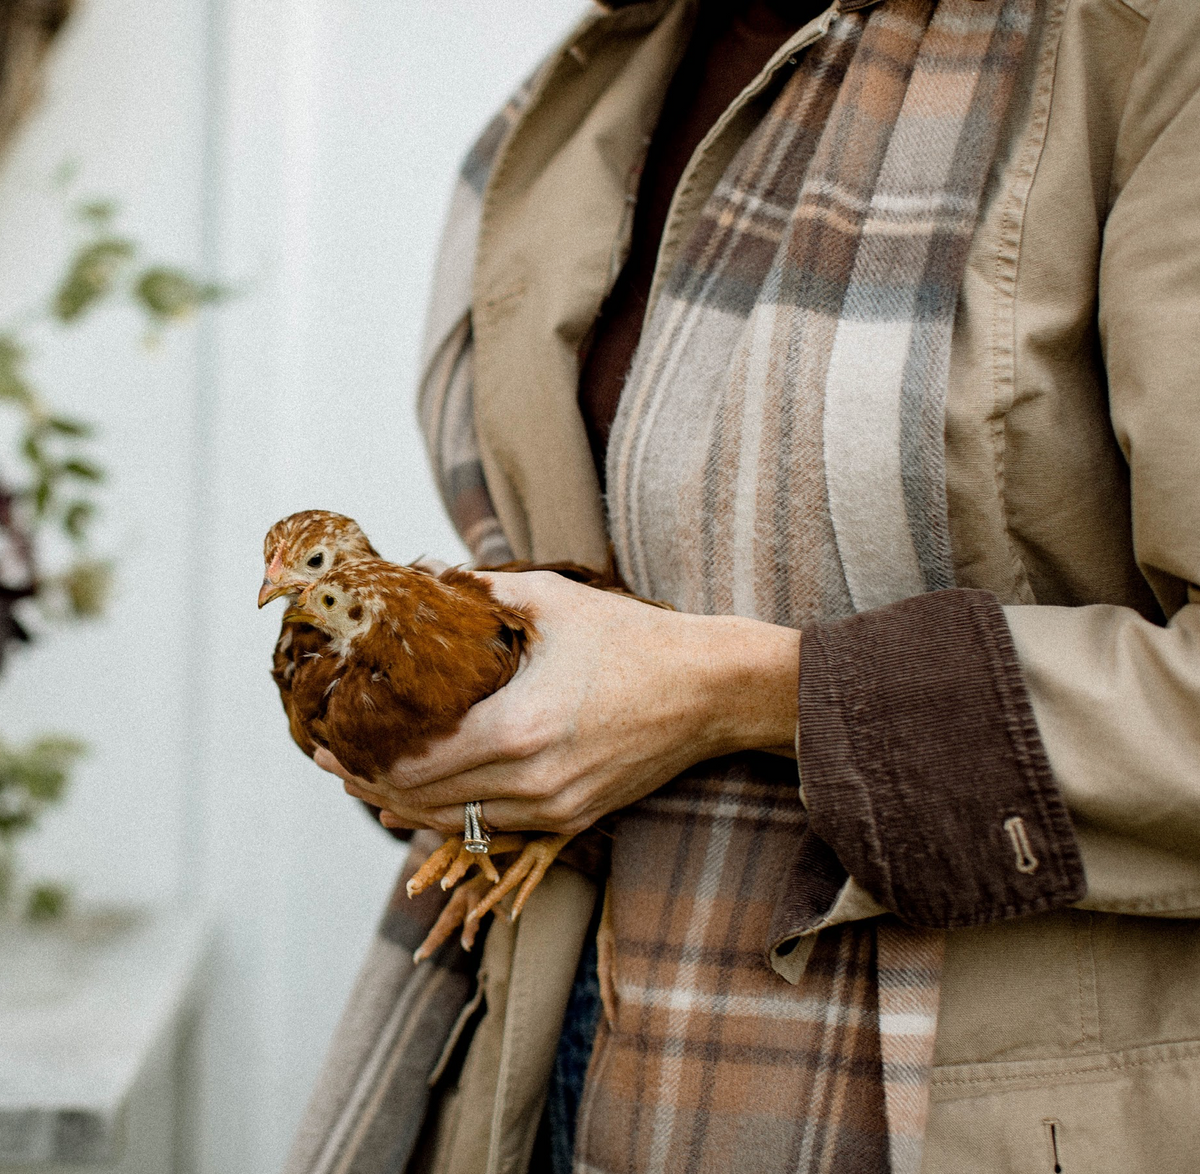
[{"x": 910, "y": 297}]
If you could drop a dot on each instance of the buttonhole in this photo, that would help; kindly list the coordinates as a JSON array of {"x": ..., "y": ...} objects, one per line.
[
  {"x": 1026, "y": 861},
  {"x": 1053, "y": 1129}
]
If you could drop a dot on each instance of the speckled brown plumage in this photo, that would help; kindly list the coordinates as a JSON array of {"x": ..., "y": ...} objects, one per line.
[
  {"x": 407, "y": 655},
  {"x": 290, "y": 546},
  {"x": 303, "y": 535}
]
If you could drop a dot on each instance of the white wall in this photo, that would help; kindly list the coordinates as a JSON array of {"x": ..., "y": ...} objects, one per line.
[{"x": 302, "y": 149}]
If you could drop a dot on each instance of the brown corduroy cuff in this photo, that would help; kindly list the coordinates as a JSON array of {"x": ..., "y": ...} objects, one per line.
[{"x": 922, "y": 767}]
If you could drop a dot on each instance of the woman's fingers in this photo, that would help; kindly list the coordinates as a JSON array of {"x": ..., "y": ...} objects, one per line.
[
  {"x": 424, "y": 778},
  {"x": 482, "y": 737},
  {"x": 398, "y": 814},
  {"x": 501, "y": 811},
  {"x": 326, "y": 761},
  {"x": 493, "y": 780},
  {"x": 501, "y": 814},
  {"x": 356, "y": 787},
  {"x": 390, "y": 820},
  {"x": 437, "y": 805}
]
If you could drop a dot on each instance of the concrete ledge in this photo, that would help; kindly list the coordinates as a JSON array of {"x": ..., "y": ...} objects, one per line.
[{"x": 84, "y": 1006}]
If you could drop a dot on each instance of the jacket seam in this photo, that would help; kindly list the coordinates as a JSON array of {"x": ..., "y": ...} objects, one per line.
[
  {"x": 1184, "y": 903},
  {"x": 1191, "y": 1050},
  {"x": 1136, "y": 9},
  {"x": 1006, "y": 272},
  {"x": 1028, "y": 749},
  {"x": 1085, "y": 975}
]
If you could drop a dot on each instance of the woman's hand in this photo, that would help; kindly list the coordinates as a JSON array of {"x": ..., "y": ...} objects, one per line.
[{"x": 614, "y": 700}]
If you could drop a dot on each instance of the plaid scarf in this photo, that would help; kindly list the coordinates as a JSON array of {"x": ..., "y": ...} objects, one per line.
[{"x": 777, "y": 454}]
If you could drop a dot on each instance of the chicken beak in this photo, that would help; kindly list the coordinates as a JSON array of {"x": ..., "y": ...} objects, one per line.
[
  {"x": 270, "y": 591},
  {"x": 297, "y": 615},
  {"x": 297, "y": 612},
  {"x": 273, "y": 585}
]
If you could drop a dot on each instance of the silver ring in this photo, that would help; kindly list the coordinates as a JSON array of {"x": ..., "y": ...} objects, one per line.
[{"x": 475, "y": 830}]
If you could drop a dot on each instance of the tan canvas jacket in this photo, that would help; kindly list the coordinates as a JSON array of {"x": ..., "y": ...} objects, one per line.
[{"x": 1068, "y": 1040}]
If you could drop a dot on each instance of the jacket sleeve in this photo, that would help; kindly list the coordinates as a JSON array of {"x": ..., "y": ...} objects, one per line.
[
  {"x": 922, "y": 768},
  {"x": 1116, "y": 697},
  {"x": 1097, "y": 711}
]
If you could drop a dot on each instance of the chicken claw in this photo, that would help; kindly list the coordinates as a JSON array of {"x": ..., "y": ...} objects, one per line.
[
  {"x": 466, "y": 858},
  {"x": 529, "y": 868},
  {"x": 434, "y": 866},
  {"x": 452, "y": 859},
  {"x": 457, "y": 912},
  {"x": 463, "y": 861}
]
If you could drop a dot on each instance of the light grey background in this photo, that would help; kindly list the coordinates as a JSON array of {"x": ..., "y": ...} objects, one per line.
[{"x": 303, "y": 150}]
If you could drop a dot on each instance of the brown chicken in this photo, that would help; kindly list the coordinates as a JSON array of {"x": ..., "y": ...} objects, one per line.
[
  {"x": 448, "y": 643},
  {"x": 407, "y": 654},
  {"x": 297, "y": 551}
]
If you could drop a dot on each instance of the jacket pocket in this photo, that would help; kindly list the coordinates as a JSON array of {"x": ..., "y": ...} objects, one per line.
[{"x": 1128, "y": 1112}]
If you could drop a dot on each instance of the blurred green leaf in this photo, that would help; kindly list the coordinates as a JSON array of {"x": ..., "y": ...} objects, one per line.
[
  {"x": 87, "y": 585},
  {"x": 59, "y": 748},
  {"x": 98, "y": 212},
  {"x": 31, "y": 449},
  {"x": 84, "y": 470},
  {"x": 44, "y": 780},
  {"x": 12, "y": 379},
  {"x": 32, "y": 777},
  {"x": 13, "y": 822},
  {"x": 16, "y": 391},
  {"x": 66, "y": 427},
  {"x": 47, "y": 902},
  {"x": 76, "y": 518},
  {"x": 170, "y": 294},
  {"x": 42, "y": 494},
  {"x": 91, "y": 276}
]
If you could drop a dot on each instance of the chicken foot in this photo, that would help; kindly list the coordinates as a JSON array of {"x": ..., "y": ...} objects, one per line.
[
  {"x": 451, "y": 861},
  {"x": 458, "y": 910},
  {"x": 527, "y": 871}
]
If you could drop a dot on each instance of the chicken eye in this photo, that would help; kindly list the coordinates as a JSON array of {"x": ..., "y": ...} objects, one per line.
[
  {"x": 316, "y": 560},
  {"x": 329, "y": 601}
]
